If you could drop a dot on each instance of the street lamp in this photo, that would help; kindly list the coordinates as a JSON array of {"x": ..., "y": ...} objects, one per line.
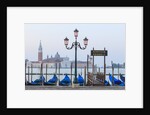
[{"x": 66, "y": 41}]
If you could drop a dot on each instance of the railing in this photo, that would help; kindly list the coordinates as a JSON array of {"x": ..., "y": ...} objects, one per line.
[
  {"x": 90, "y": 76},
  {"x": 98, "y": 81}
]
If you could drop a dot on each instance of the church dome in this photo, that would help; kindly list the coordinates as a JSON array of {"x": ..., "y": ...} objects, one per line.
[{"x": 57, "y": 55}]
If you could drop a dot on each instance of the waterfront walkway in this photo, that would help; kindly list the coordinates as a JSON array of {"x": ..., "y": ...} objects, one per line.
[{"x": 74, "y": 88}]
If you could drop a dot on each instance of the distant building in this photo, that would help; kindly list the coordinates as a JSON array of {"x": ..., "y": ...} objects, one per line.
[
  {"x": 81, "y": 64},
  {"x": 54, "y": 61},
  {"x": 27, "y": 62},
  {"x": 57, "y": 60},
  {"x": 116, "y": 65},
  {"x": 65, "y": 63}
]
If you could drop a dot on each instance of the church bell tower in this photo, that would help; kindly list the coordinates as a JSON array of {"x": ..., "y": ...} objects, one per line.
[{"x": 40, "y": 53}]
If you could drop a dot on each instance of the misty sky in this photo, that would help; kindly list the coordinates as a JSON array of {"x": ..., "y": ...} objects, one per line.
[{"x": 110, "y": 36}]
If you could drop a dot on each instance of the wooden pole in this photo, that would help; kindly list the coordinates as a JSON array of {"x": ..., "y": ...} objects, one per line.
[
  {"x": 93, "y": 62},
  {"x": 104, "y": 67},
  {"x": 99, "y": 70},
  {"x": 56, "y": 69},
  {"x": 71, "y": 73},
  {"x": 59, "y": 70},
  {"x": 25, "y": 73},
  {"x": 42, "y": 71},
  {"x": 28, "y": 74},
  {"x": 46, "y": 72},
  {"x": 105, "y": 74},
  {"x": 118, "y": 71},
  {"x": 112, "y": 75},
  {"x": 87, "y": 63},
  {"x": 31, "y": 71},
  {"x": 58, "y": 75},
  {"x": 87, "y": 69},
  {"x": 84, "y": 75},
  {"x": 93, "y": 66}
]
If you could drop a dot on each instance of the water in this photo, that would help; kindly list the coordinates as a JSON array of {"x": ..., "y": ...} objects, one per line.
[{"x": 68, "y": 70}]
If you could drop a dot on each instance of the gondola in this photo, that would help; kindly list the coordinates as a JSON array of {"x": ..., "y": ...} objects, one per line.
[
  {"x": 80, "y": 80},
  {"x": 122, "y": 78},
  {"x": 116, "y": 81},
  {"x": 52, "y": 81},
  {"x": 38, "y": 81},
  {"x": 66, "y": 81},
  {"x": 107, "y": 83}
]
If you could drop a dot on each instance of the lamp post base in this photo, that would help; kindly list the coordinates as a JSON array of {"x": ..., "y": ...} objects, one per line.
[
  {"x": 75, "y": 81},
  {"x": 75, "y": 85}
]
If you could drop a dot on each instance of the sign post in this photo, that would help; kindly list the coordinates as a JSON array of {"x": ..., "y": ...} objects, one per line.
[
  {"x": 93, "y": 66},
  {"x": 100, "y": 53},
  {"x": 104, "y": 67}
]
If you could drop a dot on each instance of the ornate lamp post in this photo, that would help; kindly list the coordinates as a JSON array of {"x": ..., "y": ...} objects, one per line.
[{"x": 66, "y": 41}]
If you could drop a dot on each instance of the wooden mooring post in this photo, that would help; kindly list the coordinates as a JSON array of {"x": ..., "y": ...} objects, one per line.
[
  {"x": 118, "y": 71},
  {"x": 46, "y": 72},
  {"x": 93, "y": 63},
  {"x": 56, "y": 68},
  {"x": 28, "y": 74},
  {"x": 71, "y": 73},
  {"x": 58, "y": 75},
  {"x": 104, "y": 66},
  {"x": 99, "y": 70},
  {"x": 31, "y": 71},
  {"x": 84, "y": 75},
  {"x": 112, "y": 75},
  {"x": 93, "y": 67},
  {"x": 81, "y": 70},
  {"x": 87, "y": 70},
  {"x": 25, "y": 73},
  {"x": 42, "y": 72},
  {"x": 87, "y": 63}
]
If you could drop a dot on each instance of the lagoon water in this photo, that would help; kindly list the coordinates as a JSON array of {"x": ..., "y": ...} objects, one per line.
[{"x": 68, "y": 70}]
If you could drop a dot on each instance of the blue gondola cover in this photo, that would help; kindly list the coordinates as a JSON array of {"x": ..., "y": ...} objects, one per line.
[
  {"x": 42, "y": 78},
  {"x": 80, "y": 80},
  {"x": 116, "y": 81},
  {"x": 107, "y": 83},
  {"x": 38, "y": 81},
  {"x": 66, "y": 81},
  {"x": 122, "y": 77},
  {"x": 53, "y": 80}
]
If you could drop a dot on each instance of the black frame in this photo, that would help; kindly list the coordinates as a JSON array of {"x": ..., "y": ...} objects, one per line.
[{"x": 100, "y": 3}]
